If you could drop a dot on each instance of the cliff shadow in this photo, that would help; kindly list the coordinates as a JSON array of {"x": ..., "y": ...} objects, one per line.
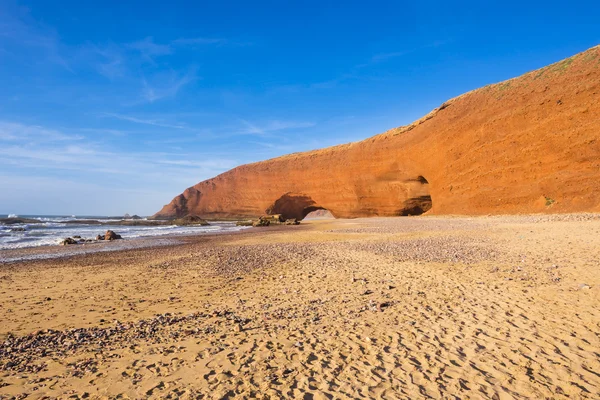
[
  {"x": 294, "y": 205},
  {"x": 419, "y": 199}
]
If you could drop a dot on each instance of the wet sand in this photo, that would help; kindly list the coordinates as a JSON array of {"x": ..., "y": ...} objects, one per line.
[{"x": 420, "y": 307}]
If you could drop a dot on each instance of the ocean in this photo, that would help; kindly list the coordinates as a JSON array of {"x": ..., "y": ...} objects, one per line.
[{"x": 54, "y": 229}]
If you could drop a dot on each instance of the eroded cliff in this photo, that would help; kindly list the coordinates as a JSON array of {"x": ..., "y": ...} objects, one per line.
[{"x": 529, "y": 144}]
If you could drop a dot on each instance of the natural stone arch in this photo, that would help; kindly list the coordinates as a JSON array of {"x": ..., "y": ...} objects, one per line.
[
  {"x": 419, "y": 198},
  {"x": 294, "y": 205},
  {"x": 320, "y": 214}
]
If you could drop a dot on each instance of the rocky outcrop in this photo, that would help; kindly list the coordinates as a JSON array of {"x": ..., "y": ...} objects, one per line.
[
  {"x": 68, "y": 241},
  {"x": 189, "y": 220},
  {"x": 111, "y": 235},
  {"x": 527, "y": 145}
]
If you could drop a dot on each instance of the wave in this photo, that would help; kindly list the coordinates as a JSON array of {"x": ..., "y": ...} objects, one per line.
[
  {"x": 49, "y": 233},
  {"x": 13, "y": 216}
]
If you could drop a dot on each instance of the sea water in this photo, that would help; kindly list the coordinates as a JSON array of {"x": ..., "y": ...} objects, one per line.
[{"x": 54, "y": 229}]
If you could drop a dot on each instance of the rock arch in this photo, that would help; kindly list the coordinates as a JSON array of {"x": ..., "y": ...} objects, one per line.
[
  {"x": 474, "y": 161},
  {"x": 294, "y": 205},
  {"x": 418, "y": 200}
]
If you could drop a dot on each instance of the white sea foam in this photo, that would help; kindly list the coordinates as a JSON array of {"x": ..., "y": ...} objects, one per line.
[{"x": 52, "y": 233}]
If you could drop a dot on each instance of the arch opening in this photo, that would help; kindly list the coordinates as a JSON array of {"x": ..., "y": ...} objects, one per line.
[
  {"x": 419, "y": 199},
  {"x": 294, "y": 206},
  {"x": 318, "y": 213}
]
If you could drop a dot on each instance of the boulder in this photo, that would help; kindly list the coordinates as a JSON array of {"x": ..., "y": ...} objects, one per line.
[
  {"x": 100, "y": 237},
  {"x": 68, "y": 241},
  {"x": 261, "y": 222},
  {"x": 244, "y": 223},
  {"x": 273, "y": 218},
  {"x": 292, "y": 221},
  {"x": 110, "y": 235}
]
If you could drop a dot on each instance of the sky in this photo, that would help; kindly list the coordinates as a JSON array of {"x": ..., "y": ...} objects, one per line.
[{"x": 113, "y": 107}]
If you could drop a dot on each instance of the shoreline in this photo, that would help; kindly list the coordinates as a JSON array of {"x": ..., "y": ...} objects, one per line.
[
  {"x": 173, "y": 239},
  {"x": 345, "y": 308},
  {"x": 47, "y": 252}
]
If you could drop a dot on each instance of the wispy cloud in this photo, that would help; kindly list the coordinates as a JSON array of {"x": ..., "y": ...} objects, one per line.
[
  {"x": 149, "y": 49},
  {"x": 382, "y": 57},
  {"x": 17, "y": 132},
  {"x": 377, "y": 58},
  {"x": 83, "y": 156},
  {"x": 18, "y": 28},
  {"x": 166, "y": 86},
  {"x": 272, "y": 126},
  {"x": 198, "y": 41},
  {"x": 215, "y": 164},
  {"x": 112, "y": 61},
  {"x": 357, "y": 71},
  {"x": 153, "y": 122}
]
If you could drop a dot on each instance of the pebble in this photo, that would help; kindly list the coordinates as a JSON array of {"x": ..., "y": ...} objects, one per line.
[{"x": 22, "y": 354}]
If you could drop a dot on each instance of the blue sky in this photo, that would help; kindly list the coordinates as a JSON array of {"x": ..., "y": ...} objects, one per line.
[{"x": 119, "y": 106}]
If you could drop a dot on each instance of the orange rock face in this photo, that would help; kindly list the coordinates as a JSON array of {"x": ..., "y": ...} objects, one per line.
[{"x": 527, "y": 145}]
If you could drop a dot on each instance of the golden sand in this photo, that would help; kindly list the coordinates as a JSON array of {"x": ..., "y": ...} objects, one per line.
[{"x": 404, "y": 308}]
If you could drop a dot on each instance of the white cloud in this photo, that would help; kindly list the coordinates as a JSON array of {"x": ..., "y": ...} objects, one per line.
[
  {"x": 166, "y": 85},
  {"x": 83, "y": 156},
  {"x": 149, "y": 49},
  {"x": 18, "y": 28},
  {"x": 153, "y": 122},
  {"x": 272, "y": 126},
  {"x": 198, "y": 41},
  {"x": 17, "y": 132}
]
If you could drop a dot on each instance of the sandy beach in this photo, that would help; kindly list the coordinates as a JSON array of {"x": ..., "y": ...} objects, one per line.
[{"x": 497, "y": 307}]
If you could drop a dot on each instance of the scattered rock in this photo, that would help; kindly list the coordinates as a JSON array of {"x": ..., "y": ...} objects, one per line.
[
  {"x": 244, "y": 223},
  {"x": 261, "y": 222},
  {"x": 190, "y": 220},
  {"x": 110, "y": 235},
  {"x": 68, "y": 241}
]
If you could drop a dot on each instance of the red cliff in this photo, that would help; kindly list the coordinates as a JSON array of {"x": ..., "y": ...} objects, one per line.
[{"x": 527, "y": 145}]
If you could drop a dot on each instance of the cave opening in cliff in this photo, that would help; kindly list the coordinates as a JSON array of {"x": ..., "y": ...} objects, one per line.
[
  {"x": 317, "y": 213},
  {"x": 419, "y": 200},
  {"x": 294, "y": 206}
]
